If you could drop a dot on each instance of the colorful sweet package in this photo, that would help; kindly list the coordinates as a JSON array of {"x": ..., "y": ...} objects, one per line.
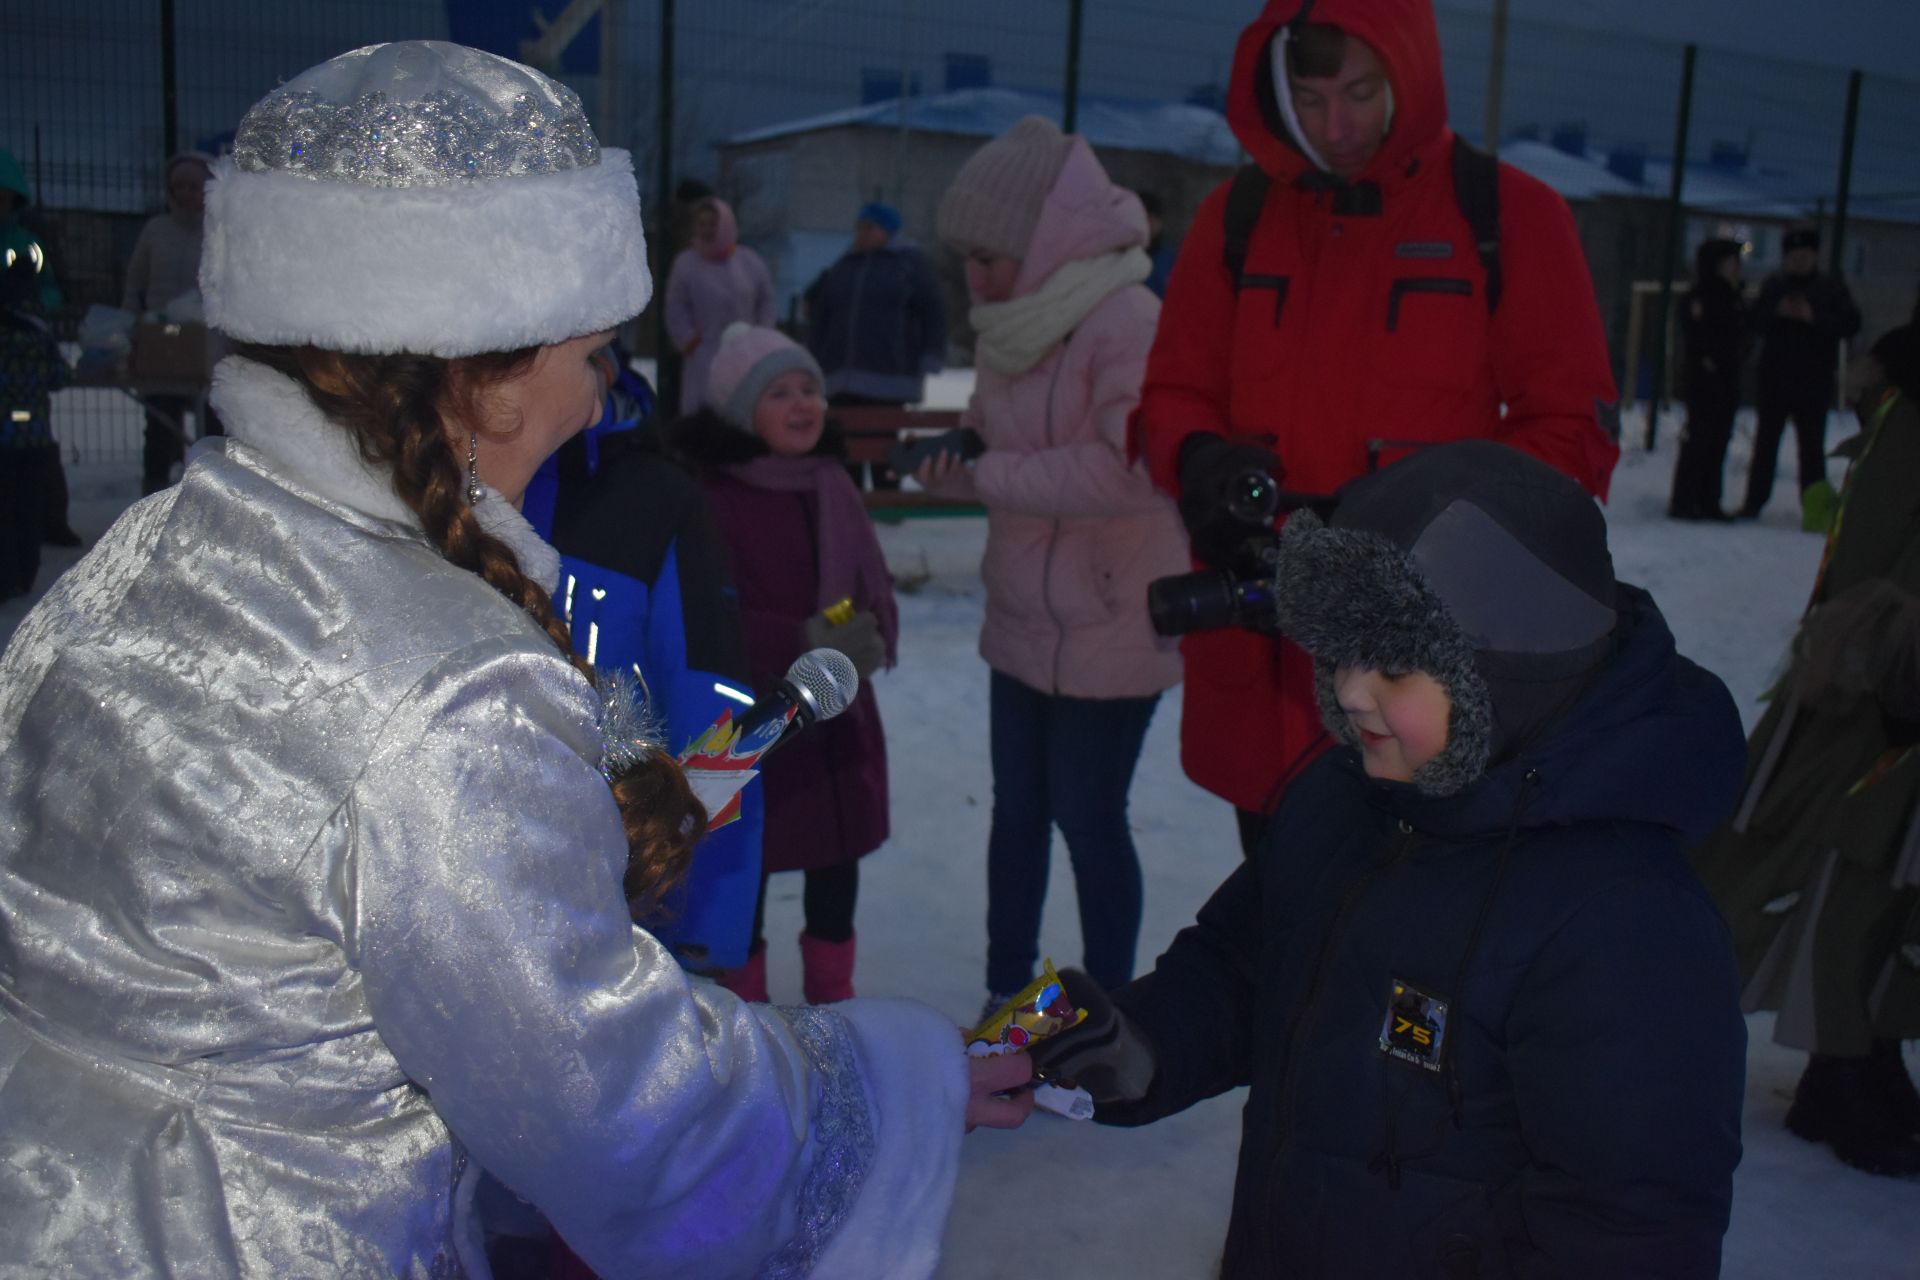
[{"x": 1042, "y": 1010}]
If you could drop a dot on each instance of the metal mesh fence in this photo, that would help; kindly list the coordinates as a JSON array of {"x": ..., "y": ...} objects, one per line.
[{"x": 793, "y": 107}]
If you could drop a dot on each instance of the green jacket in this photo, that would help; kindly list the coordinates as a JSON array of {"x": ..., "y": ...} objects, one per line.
[{"x": 1833, "y": 763}]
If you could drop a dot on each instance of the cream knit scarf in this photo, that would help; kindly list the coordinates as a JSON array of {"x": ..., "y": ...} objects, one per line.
[{"x": 1014, "y": 335}]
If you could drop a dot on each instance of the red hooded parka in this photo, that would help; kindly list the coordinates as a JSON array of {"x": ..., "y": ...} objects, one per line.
[{"x": 1354, "y": 328}]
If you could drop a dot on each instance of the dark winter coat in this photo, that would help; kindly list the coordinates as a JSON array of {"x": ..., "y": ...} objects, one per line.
[
  {"x": 1587, "y": 1119},
  {"x": 826, "y": 791},
  {"x": 877, "y": 324},
  {"x": 1713, "y": 324},
  {"x": 1796, "y": 357},
  {"x": 31, "y": 370},
  {"x": 1362, "y": 317},
  {"x": 1841, "y": 774}
]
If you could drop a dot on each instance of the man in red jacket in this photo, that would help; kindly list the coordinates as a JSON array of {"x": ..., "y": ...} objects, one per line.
[{"x": 1384, "y": 300}]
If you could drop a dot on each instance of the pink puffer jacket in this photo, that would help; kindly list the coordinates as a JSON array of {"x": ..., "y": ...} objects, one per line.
[{"x": 1074, "y": 533}]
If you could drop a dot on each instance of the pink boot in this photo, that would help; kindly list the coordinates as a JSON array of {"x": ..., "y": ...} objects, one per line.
[
  {"x": 827, "y": 969},
  {"x": 749, "y": 981}
]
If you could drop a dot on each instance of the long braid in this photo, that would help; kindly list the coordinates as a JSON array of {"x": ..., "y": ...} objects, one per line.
[{"x": 393, "y": 405}]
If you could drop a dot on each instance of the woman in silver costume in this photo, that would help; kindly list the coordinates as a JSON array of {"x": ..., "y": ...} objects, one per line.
[{"x": 312, "y": 834}]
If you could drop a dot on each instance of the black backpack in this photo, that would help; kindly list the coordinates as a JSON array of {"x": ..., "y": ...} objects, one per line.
[{"x": 1476, "y": 184}]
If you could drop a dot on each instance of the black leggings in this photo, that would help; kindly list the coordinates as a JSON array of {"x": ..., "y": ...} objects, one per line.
[{"x": 827, "y": 901}]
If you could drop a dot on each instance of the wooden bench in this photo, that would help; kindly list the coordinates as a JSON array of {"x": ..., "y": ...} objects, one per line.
[{"x": 871, "y": 431}]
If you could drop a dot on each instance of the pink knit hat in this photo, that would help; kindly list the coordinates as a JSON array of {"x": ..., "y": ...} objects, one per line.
[
  {"x": 994, "y": 201},
  {"x": 748, "y": 359}
]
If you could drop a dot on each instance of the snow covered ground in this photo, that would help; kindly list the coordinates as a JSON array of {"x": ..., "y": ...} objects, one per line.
[{"x": 1078, "y": 1200}]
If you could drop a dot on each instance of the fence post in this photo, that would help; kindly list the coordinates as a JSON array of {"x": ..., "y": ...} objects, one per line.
[
  {"x": 1071, "y": 116},
  {"x": 169, "y": 85},
  {"x": 905, "y": 103},
  {"x": 1670, "y": 250},
  {"x": 1496, "y": 75},
  {"x": 666, "y": 359},
  {"x": 1845, "y": 191},
  {"x": 613, "y": 116}
]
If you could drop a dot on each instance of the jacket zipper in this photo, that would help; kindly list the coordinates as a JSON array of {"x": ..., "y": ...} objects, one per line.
[
  {"x": 1302, "y": 1020},
  {"x": 1053, "y": 538}
]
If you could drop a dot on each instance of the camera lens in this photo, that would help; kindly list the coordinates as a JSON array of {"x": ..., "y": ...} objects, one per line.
[
  {"x": 1187, "y": 602},
  {"x": 1253, "y": 498}
]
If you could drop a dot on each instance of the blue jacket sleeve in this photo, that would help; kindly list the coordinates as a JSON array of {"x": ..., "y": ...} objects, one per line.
[
  {"x": 1196, "y": 1007},
  {"x": 622, "y": 623},
  {"x": 709, "y": 923}
]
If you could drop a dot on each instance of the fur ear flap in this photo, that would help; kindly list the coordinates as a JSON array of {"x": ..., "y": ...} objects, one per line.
[{"x": 1351, "y": 597}]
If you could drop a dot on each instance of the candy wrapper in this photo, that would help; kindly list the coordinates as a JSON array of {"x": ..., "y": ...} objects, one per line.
[{"x": 1040, "y": 1011}]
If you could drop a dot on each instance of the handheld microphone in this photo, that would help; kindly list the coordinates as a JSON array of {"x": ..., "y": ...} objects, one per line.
[{"x": 819, "y": 685}]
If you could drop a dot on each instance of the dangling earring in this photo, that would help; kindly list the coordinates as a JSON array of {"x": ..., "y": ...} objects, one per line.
[{"x": 473, "y": 469}]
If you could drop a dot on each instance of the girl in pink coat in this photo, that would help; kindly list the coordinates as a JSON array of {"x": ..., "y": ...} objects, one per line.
[
  {"x": 713, "y": 283},
  {"x": 1055, "y": 261}
]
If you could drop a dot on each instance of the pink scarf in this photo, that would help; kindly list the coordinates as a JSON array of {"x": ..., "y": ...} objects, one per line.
[{"x": 851, "y": 565}]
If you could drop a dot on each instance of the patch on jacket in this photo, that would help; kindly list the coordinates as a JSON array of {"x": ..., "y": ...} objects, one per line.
[
  {"x": 1415, "y": 1026},
  {"x": 1423, "y": 249}
]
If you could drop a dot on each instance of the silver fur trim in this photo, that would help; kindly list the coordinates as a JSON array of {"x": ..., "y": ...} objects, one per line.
[{"x": 843, "y": 1140}]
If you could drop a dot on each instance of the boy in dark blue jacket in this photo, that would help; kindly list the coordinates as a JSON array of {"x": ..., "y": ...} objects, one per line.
[{"x": 1489, "y": 1020}]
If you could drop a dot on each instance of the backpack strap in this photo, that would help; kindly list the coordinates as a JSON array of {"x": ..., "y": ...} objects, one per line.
[
  {"x": 1245, "y": 198},
  {"x": 1476, "y": 186}
]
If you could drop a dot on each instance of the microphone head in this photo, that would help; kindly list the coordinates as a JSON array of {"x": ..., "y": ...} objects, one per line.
[{"x": 826, "y": 679}]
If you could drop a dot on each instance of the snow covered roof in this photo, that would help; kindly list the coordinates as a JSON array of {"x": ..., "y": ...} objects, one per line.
[
  {"x": 1746, "y": 192},
  {"x": 1574, "y": 177},
  {"x": 1202, "y": 134},
  {"x": 1169, "y": 128}
]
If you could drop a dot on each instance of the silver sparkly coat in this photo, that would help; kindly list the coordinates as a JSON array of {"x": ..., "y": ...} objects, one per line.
[{"x": 310, "y": 905}]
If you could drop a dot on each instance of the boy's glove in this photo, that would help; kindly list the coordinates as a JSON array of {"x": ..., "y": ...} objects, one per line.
[
  {"x": 1210, "y": 466},
  {"x": 859, "y": 638},
  {"x": 1107, "y": 1055}
]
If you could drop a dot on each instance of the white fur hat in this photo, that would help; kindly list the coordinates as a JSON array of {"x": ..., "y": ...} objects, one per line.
[{"x": 421, "y": 197}]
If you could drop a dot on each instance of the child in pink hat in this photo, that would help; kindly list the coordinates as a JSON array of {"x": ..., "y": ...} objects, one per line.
[{"x": 772, "y": 469}]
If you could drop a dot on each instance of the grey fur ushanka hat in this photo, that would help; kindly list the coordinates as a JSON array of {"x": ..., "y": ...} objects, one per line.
[{"x": 1472, "y": 562}]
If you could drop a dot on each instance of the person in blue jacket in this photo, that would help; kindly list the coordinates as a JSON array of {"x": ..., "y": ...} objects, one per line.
[
  {"x": 875, "y": 319},
  {"x": 1488, "y": 1017},
  {"x": 646, "y": 588}
]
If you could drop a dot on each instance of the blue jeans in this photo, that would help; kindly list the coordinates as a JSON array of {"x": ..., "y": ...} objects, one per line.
[{"x": 1066, "y": 762}]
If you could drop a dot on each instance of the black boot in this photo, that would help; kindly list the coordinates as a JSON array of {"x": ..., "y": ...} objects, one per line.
[
  {"x": 1896, "y": 1086},
  {"x": 1842, "y": 1102}
]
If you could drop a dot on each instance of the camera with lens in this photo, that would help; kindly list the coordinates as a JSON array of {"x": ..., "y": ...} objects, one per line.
[{"x": 1241, "y": 593}]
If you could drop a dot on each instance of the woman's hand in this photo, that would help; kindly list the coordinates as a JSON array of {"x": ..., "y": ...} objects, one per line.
[
  {"x": 989, "y": 1077},
  {"x": 946, "y": 475}
]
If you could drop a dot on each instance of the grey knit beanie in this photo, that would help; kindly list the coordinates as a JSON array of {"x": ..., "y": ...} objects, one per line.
[
  {"x": 751, "y": 356},
  {"x": 994, "y": 202}
]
